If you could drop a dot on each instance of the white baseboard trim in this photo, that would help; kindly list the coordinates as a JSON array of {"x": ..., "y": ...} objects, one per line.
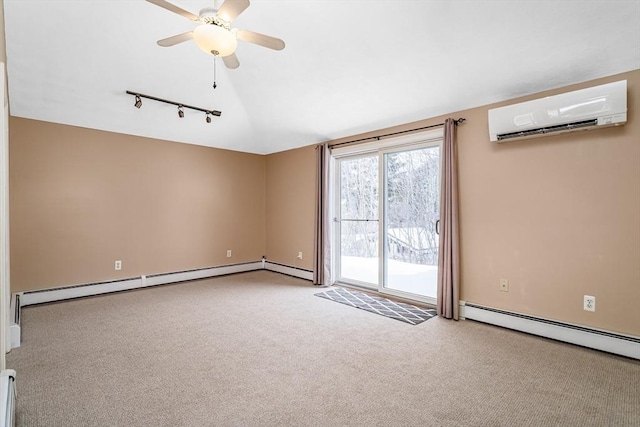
[
  {"x": 288, "y": 270},
  {"x": 203, "y": 273},
  {"x": 14, "y": 330},
  {"x": 91, "y": 289},
  {"x": 14, "y": 324},
  {"x": 22, "y": 299},
  {"x": 611, "y": 342},
  {"x": 7, "y": 398},
  {"x": 78, "y": 291}
]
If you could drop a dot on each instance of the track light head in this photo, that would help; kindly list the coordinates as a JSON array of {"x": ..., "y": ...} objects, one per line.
[
  {"x": 180, "y": 112},
  {"x": 138, "y": 102},
  {"x": 208, "y": 119}
]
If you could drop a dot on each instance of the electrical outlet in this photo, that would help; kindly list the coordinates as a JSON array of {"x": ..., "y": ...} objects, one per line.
[
  {"x": 504, "y": 285},
  {"x": 299, "y": 255},
  {"x": 589, "y": 303},
  {"x": 228, "y": 253},
  {"x": 118, "y": 265}
]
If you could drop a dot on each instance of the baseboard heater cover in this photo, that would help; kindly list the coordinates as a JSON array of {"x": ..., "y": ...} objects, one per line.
[
  {"x": 624, "y": 345},
  {"x": 200, "y": 273},
  {"x": 289, "y": 270},
  {"x": 91, "y": 289},
  {"x": 14, "y": 325},
  {"x": 7, "y": 398}
]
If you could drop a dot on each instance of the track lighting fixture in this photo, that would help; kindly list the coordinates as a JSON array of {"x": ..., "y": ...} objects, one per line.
[{"x": 181, "y": 106}]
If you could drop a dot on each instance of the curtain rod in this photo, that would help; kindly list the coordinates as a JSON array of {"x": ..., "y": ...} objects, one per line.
[{"x": 386, "y": 135}]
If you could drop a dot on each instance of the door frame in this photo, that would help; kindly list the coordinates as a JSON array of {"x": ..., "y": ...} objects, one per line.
[{"x": 420, "y": 139}]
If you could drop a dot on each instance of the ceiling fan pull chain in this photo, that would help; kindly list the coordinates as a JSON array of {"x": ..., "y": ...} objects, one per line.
[{"x": 214, "y": 72}]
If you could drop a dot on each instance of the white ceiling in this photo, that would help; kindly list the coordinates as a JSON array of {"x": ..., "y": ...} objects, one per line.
[{"x": 348, "y": 67}]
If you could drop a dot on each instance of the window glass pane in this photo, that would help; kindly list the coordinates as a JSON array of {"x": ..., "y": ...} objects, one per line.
[
  {"x": 412, "y": 190},
  {"x": 359, "y": 200}
]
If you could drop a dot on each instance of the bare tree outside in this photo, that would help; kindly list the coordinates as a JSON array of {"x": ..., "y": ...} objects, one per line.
[
  {"x": 359, "y": 207},
  {"x": 410, "y": 198},
  {"x": 412, "y": 205}
]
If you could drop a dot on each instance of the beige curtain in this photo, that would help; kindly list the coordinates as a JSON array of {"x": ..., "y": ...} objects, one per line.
[
  {"x": 322, "y": 231},
  {"x": 449, "y": 251}
]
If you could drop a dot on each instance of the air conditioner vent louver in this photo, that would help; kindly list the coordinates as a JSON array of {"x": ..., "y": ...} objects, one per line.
[
  {"x": 591, "y": 108},
  {"x": 549, "y": 129}
]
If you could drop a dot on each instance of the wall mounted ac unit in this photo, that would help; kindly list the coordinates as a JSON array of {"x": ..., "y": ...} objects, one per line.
[{"x": 591, "y": 108}]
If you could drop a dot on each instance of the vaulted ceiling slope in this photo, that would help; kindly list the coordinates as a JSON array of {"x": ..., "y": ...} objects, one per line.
[{"x": 348, "y": 66}]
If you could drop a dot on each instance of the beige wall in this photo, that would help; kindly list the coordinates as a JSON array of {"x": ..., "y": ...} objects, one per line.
[
  {"x": 290, "y": 206},
  {"x": 81, "y": 199},
  {"x": 559, "y": 217}
]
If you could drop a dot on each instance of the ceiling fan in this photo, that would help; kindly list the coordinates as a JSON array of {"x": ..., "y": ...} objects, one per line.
[{"x": 214, "y": 35}]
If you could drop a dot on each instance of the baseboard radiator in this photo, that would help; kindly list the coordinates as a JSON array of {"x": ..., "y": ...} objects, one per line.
[
  {"x": 289, "y": 270},
  {"x": 624, "y": 345},
  {"x": 14, "y": 324},
  {"x": 42, "y": 296},
  {"x": 7, "y": 398},
  {"x": 98, "y": 288}
]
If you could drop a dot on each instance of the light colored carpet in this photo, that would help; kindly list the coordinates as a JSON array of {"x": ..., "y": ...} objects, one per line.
[{"x": 258, "y": 349}]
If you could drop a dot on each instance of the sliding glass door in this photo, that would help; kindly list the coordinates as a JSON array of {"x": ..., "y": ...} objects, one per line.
[
  {"x": 387, "y": 205},
  {"x": 411, "y": 211}
]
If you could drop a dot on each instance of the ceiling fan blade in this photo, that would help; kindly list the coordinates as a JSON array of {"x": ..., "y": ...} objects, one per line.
[
  {"x": 230, "y": 9},
  {"x": 231, "y": 61},
  {"x": 175, "y": 9},
  {"x": 260, "y": 39},
  {"x": 174, "y": 40}
]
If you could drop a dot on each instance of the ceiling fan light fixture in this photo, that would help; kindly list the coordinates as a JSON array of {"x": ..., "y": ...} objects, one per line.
[
  {"x": 208, "y": 119},
  {"x": 180, "y": 111},
  {"x": 138, "y": 102},
  {"x": 215, "y": 40}
]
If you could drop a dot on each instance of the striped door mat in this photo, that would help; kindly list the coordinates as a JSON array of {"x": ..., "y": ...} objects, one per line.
[{"x": 396, "y": 310}]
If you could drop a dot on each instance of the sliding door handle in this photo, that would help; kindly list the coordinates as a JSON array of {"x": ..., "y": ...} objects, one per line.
[{"x": 438, "y": 226}]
